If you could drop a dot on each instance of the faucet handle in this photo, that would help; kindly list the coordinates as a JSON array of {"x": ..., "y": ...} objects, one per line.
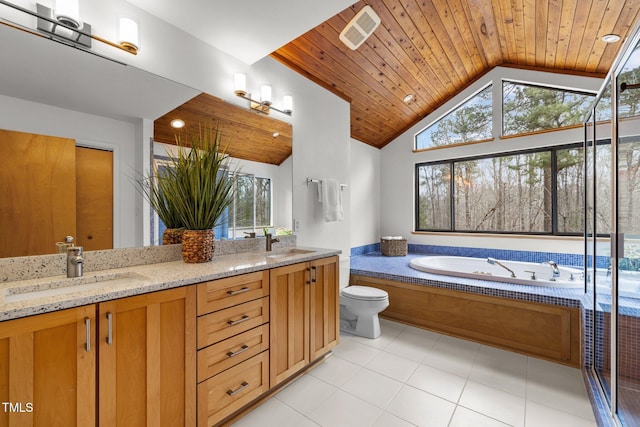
[
  {"x": 533, "y": 274},
  {"x": 75, "y": 251}
]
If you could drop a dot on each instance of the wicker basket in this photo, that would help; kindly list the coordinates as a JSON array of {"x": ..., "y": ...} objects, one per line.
[{"x": 393, "y": 247}]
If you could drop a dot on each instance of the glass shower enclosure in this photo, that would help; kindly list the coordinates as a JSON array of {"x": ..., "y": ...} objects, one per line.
[{"x": 612, "y": 237}]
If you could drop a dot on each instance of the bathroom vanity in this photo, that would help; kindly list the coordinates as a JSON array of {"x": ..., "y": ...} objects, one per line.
[{"x": 165, "y": 344}]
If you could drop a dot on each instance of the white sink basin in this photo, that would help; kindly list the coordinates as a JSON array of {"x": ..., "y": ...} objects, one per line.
[
  {"x": 69, "y": 286},
  {"x": 289, "y": 253}
]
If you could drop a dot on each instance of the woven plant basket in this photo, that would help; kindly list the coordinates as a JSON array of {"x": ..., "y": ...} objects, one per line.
[
  {"x": 172, "y": 236},
  {"x": 393, "y": 247},
  {"x": 197, "y": 246}
]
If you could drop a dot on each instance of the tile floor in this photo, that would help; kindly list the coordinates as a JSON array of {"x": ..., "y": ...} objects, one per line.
[{"x": 413, "y": 377}]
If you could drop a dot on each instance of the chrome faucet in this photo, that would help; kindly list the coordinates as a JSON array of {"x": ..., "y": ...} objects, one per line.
[
  {"x": 555, "y": 271},
  {"x": 270, "y": 241},
  {"x": 75, "y": 259},
  {"x": 494, "y": 261}
]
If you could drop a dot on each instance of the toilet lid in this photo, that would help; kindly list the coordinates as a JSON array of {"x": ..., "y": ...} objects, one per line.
[{"x": 365, "y": 293}]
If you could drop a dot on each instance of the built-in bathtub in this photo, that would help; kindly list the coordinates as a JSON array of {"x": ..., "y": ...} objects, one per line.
[{"x": 526, "y": 273}]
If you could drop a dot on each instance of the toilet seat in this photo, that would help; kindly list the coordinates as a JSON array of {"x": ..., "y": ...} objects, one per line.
[{"x": 364, "y": 293}]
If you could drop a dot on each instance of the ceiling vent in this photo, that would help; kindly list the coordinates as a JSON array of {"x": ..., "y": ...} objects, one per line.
[{"x": 360, "y": 28}]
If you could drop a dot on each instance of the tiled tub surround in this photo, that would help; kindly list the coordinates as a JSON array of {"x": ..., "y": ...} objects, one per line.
[
  {"x": 139, "y": 278},
  {"x": 373, "y": 264}
]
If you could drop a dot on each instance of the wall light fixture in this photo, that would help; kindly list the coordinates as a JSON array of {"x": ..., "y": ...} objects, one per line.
[
  {"x": 63, "y": 24},
  {"x": 264, "y": 105}
]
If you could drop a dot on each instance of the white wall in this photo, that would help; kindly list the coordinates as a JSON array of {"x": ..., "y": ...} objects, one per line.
[
  {"x": 398, "y": 166},
  {"x": 365, "y": 194}
]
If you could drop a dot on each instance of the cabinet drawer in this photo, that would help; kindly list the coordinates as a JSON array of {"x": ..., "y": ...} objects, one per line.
[
  {"x": 226, "y": 323},
  {"x": 223, "y": 293},
  {"x": 216, "y": 358},
  {"x": 225, "y": 393}
]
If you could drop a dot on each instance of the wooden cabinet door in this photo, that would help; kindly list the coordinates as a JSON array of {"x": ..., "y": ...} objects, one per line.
[
  {"x": 289, "y": 321},
  {"x": 147, "y": 359},
  {"x": 324, "y": 306},
  {"x": 47, "y": 369}
]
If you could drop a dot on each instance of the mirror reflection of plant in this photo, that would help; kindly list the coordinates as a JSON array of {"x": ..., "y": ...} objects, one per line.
[
  {"x": 159, "y": 196},
  {"x": 197, "y": 179}
]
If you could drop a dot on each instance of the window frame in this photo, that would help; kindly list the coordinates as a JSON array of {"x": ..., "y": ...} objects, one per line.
[{"x": 554, "y": 197}]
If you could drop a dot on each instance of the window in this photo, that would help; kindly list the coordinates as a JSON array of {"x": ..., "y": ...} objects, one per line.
[
  {"x": 471, "y": 121},
  {"x": 251, "y": 208},
  {"x": 533, "y": 192},
  {"x": 529, "y": 108}
]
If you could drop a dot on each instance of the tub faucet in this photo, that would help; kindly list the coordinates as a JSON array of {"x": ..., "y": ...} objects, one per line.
[
  {"x": 555, "y": 271},
  {"x": 270, "y": 241},
  {"x": 494, "y": 261},
  {"x": 75, "y": 259}
]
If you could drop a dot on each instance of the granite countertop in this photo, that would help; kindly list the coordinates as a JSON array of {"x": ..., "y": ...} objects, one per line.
[{"x": 34, "y": 296}]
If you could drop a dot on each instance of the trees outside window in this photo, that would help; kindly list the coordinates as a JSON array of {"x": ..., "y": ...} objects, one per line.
[
  {"x": 470, "y": 121},
  {"x": 528, "y": 108},
  {"x": 512, "y": 193}
]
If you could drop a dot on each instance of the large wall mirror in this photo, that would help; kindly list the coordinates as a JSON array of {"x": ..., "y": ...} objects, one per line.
[{"x": 110, "y": 107}]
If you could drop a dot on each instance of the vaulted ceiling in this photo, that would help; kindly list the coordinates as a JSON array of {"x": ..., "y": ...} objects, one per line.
[{"x": 432, "y": 49}]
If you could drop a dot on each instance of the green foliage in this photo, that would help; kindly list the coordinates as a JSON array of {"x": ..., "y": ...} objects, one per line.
[{"x": 198, "y": 181}]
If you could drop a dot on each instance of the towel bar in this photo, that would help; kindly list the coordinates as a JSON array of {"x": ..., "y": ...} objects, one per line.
[{"x": 309, "y": 181}]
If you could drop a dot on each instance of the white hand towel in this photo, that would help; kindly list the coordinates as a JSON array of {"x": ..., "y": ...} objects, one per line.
[{"x": 330, "y": 196}]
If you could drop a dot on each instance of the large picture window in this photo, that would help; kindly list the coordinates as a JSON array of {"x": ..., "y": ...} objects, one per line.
[
  {"x": 471, "y": 121},
  {"x": 532, "y": 192}
]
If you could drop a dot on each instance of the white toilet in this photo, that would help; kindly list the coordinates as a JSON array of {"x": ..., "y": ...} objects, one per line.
[{"x": 359, "y": 308}]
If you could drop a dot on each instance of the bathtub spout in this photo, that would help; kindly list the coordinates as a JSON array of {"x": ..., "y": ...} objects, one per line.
[
  {"x": 555, "y": 271},
  {"x": 494, "y": 261}
]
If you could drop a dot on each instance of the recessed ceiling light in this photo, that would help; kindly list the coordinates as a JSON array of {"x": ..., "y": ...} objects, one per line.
[
  {"x": 610, "y": 38},
  {"x": 276, "y": 134},
  {"x": 408, "y": 98},
  {"x": 177, "y": 123}
]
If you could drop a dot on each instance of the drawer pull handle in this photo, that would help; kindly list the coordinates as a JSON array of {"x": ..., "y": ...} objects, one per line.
[
  {"x": 110, "y": 329},
  {"x": 239, "y": 389},
  {"x": 87, "y": 325},
  {"x": 242, "y": 350},
  {"x": 235, "y": 322},
  {"x": 239, "y": 291}
]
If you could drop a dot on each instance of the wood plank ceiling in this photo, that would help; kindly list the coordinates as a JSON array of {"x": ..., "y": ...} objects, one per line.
[{"x": 435, "y": 48}]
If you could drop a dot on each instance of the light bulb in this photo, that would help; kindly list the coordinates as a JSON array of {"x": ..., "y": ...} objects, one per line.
[
  {"x": 128, "y": 36},
  {"x": 265, "y": 94},
  {"x": 240, "y": 84}
]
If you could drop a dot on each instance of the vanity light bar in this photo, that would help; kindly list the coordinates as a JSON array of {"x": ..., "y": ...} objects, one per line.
[{"x": 48, "y": 24}]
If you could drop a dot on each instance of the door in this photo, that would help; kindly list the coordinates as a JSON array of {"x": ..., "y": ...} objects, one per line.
[
  {"x": 147, "y": 359},
  {"x": 289, "y": 320},
  {"x": 47, "y": 369},
  {"x": 37, "y": 193},
  {"x": 324, "y": 306},
  {"x": 94, "y": 196}
]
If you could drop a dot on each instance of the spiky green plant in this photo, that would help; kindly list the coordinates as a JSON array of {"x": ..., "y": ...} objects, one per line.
[
  {"x": 198, "y": 181},
  {"x": 158, "y": 192}
]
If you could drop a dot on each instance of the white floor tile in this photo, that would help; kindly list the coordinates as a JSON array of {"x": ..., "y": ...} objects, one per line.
[
  {"x": 345, "y": 410},
  {"x": 421, "y": 408},
  {"x": 543, "y": 416},
  {"x": 306, "y": 394},
  {"x": 500, "y": 369},
  {"x": 389, "y": 420},
  {"x": 355, "y": 352},
  {"x": 372, "y": 387},
  {"x": 442, "y": 384},
  {"x": 464, "y": 417},
  {"x": 393, "y": 366},
  {"x": 273, "y": 413},
  {"x": 493, "y": 403},
  {"x": 335, "y": 371},
  {"x": 452, "y": 355},
  {"x": 558, "y": 386},
  {"x": 413, "y": 344}
]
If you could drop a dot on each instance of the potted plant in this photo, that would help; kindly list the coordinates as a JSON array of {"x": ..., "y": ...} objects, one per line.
[
  {"x": 159, "y": 193},
  {"x": 201, "y": 188}
]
